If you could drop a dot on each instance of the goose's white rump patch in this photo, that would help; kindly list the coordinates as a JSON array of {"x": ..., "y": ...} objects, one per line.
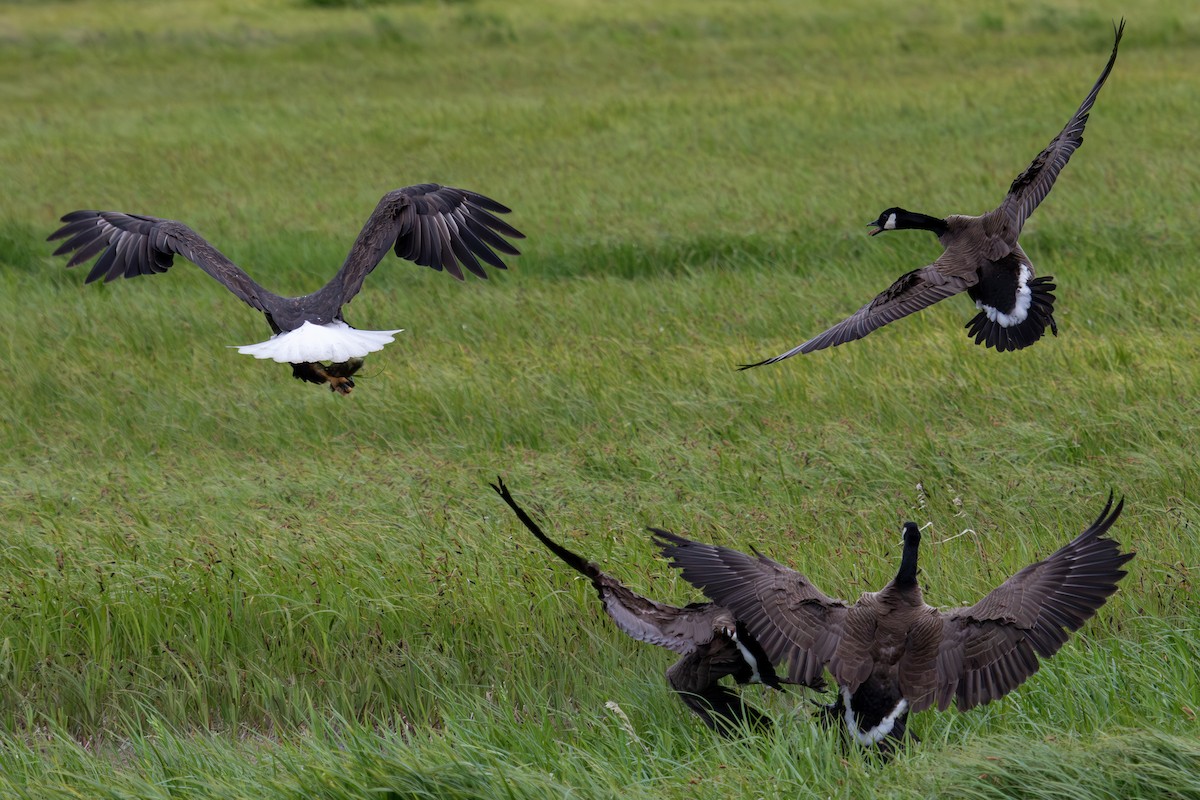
[
  {"x": 873, "y": 736},
  {"x": 336, "y": 342},
  {"x": 1020, "y": 307}
]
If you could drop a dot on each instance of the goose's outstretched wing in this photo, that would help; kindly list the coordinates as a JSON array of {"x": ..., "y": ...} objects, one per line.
[
  {"x": 1032, "y": 185},
  {"x": 910, "y": 293},
  {"x": 992, "y": 647},
  {"x": 790, "y": 618},
  {"x": 710, "y": 642},
  {"x": 681, "y": 630},
  {"x": 435, "y": 226},
  {"x": 132, "y": 245}
]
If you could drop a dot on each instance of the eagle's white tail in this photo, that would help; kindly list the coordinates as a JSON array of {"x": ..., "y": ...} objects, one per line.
[{"x": 336, "y": 342}]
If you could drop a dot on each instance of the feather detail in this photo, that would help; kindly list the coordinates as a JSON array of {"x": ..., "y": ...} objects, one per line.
[{"x": 336, "y": 342}]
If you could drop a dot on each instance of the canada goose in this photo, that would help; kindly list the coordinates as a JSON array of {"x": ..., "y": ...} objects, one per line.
[
  {"x": 891, "y": 654},
  {"x": 435, "y": 226},
  {"x": 981, "y": 255},
  {"x": 710, "y": 642}
]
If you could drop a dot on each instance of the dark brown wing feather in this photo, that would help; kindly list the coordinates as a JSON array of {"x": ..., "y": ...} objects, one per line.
[
  {"x": 854, "y": 659},
  {"x": 681, "y": 630},
  {"x": 1032, "y": 185},
  {"x": 992, "y": 647},
  {"x": 909, "y": 294},
  {"x": 434, "y": 226},
  {"x": 132, "y": 245},
  {"x": 916, "y": 669},
  {"x": 792, "y": 620}
]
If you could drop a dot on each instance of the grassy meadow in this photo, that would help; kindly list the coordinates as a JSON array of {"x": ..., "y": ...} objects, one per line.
[{"x": 218, "y": 582}]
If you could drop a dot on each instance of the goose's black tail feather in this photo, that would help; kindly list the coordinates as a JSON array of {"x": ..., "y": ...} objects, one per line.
[{"x": 1015, "y": 337}]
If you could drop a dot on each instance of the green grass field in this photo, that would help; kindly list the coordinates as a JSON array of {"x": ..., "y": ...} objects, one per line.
[{"x": 218, "y": 582}]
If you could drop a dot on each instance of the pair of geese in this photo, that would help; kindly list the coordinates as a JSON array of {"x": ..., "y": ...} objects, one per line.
[
  {"x": 447, "y": 228},
  {"x": 889, "y": 653}
]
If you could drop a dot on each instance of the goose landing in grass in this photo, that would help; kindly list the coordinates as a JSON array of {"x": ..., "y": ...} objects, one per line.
[
  {"x": 889, "y": 652},
  {"x": 710, "y": 642},
  {"x": 981, "y": 257},
  {"x": 434, "y": 226}
]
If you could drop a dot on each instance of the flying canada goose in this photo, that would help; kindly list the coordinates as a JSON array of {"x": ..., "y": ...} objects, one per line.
[
  {"x": 981, "y": 255},
  {"x": 435, "y": 226},
  {"x": 891, "y": 654},
  {"x": 710, "y": 642}
]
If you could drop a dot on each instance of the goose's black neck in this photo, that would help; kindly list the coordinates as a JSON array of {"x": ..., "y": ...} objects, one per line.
[
  {"x": 900, "y": 219},
  {"x": 924, "y": 222},
  {"x": 906, "y": 576}
]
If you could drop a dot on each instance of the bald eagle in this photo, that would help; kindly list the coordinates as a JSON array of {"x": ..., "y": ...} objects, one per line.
[{"x": 435, "y": 226}]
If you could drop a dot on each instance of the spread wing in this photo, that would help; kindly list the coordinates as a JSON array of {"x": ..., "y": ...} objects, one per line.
[
  {"x": 130, "y": 245},
  {"x": 435, "y": 226},
  {"x": 681, "y": 630},
  {"x": 992, "y": 647},
  {"x": 792, "y": 620},
  {"x": 910, "y": 293},
  {"x": 1032, "y": 185}
]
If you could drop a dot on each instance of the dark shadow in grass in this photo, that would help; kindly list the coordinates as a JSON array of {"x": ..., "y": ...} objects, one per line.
[
  {"x": 22, "y": 248},
  {"x": 25, "y": 255},
  {"x": 1130, "y": 763},
  {"x": 675, "y": 256},
  {"x": 372, "y": 3}
]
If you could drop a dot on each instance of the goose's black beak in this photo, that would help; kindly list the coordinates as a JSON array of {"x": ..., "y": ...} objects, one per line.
[{"x": 875, "y": 224}]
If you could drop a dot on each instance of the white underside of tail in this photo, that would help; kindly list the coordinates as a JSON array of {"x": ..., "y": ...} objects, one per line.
[
  {"x": 1020, "y": 307},
  {"x": 874, "y": 735},
  {"x": 336, "y": 342}
]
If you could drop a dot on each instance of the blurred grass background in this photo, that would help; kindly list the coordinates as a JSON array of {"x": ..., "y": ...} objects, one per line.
[{"x": 219, "y": 582}]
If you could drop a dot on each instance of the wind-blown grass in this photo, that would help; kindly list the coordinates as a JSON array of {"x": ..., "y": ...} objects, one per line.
[{"x": 218, "y": 582}]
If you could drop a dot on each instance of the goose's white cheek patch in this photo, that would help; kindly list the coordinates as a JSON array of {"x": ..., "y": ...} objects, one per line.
[
  {"x": 890, "y": 224},
  {"x": 1021, "y": 304}
]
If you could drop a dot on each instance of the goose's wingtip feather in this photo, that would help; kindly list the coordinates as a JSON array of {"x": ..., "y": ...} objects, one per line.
[{"x": 804, "y": 348}]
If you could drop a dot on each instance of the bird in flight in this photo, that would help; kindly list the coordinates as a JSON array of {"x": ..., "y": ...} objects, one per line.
[
  {"x": 981, "y": 256},
  {"x": 432, "y": 225}
]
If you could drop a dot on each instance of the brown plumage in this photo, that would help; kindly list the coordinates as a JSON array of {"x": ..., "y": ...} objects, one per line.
[
  {"x": 981, "y": 256},
  {"x": 889, "y": 652},
  {"x": 434, "y": 226},
  {"x": 710, "y": 642}
]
